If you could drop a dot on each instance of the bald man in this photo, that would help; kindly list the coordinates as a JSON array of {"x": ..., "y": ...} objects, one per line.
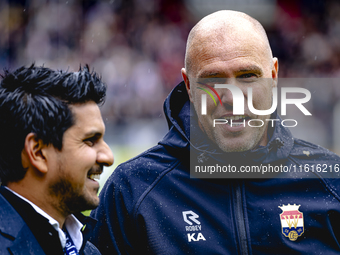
[
  {"x": 236, "y": 49},
  {"x": 152, "y": 205}
]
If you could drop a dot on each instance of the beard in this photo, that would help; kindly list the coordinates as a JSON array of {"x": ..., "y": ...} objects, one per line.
[{"x": 70, "y": 198}]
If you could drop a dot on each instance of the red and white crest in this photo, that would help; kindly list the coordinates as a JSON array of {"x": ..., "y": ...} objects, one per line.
[{"x": 291, "y": 221}]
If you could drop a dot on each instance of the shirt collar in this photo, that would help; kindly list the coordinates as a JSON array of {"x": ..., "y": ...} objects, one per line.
[{"x": 74, "y": 227}]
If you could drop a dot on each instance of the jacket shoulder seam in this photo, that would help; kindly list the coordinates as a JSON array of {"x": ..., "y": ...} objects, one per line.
[{"x": 152, "y": 185}]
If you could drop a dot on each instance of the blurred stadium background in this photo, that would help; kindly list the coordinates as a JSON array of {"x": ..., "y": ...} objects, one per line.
[{"x": 138, "y": 47}]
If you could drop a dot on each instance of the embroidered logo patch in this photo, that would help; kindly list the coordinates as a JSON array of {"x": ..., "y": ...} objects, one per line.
[
  {"x": 291, "y": 221},
  {"x": 194, "y": 227}
]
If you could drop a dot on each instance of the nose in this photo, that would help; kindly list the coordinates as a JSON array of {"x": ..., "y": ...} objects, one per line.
[
  {"x": 230, "y": 93},
  {"x": 226, "y": 96},
  {"x": 105, "y": 156}
]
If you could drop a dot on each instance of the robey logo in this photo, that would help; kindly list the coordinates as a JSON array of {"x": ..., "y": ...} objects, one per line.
[{"x": 194, "y": 226}]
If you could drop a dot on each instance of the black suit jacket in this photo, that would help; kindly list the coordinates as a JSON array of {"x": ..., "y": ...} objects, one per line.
[{"x": 24, "y": 231}]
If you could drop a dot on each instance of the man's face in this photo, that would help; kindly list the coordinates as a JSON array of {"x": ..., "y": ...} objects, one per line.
[
  {"x": 242, "y": 62},
  {"x": 82, "y": 157}
]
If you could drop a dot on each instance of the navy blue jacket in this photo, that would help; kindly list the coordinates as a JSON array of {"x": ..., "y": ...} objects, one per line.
[
  {"x": 150, "y": 205},
  {"x": 29, "y": 233}
]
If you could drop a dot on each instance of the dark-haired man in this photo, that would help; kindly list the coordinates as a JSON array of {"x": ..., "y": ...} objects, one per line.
[
  {"x": 151, "y": 205},
  {"x": 51, "y": 154}
]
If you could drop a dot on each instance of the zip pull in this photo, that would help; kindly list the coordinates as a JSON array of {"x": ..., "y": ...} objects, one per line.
[{"x": 277, "y": 143}]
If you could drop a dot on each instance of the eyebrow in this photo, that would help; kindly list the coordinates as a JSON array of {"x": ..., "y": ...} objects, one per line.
[
  {"x": 252, "y": 68},
  {"x": 94, "y": 133},
  {"x": 207, "y": 74}
]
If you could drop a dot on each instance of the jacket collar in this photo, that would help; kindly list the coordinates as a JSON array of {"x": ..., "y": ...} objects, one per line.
[{"x": 15, "y": 229}]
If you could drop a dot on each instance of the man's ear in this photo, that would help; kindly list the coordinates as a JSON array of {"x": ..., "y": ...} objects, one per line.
[
  {"x": 187, "y": 82},
  {"x": 34, "y": 153},
  {"x": 275, "y": 71}
]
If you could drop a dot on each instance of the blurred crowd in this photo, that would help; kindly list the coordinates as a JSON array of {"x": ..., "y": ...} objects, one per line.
[{"x": 138, "y": 45}]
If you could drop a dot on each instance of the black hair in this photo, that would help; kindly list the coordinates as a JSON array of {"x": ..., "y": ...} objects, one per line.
[{"x": 35, "y": 100}]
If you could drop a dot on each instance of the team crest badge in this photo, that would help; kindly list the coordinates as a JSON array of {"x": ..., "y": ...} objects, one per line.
[{"x": 291, "y": 221}]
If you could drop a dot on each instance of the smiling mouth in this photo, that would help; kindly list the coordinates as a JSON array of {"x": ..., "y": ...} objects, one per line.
[{"x": 94, "y": 177}]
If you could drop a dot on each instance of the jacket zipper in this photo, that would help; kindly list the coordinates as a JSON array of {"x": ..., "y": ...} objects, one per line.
[{"x": 239, "y": 218}]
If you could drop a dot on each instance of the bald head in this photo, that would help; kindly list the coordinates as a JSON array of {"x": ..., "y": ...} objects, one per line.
[
  {"x": 230, "y": 47},
  {"x": 224, "y": 27}
]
